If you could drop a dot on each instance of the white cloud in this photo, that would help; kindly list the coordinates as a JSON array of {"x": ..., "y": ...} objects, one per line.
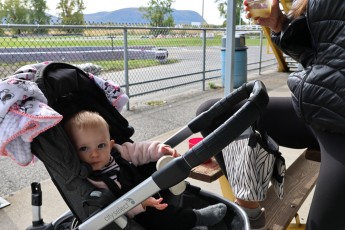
[{"x": 211, "y": 13}]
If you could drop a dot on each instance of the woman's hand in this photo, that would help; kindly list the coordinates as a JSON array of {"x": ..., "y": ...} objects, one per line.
[
  {"x": 275, "y": 21},
  {"x": 155, "y": 203}
]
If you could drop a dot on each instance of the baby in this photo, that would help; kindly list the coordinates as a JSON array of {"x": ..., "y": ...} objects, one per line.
[{"x": 89, "y": 133}]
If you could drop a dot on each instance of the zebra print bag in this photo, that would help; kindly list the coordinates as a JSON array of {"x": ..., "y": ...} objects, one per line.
[{"x": 253, "y": 161}]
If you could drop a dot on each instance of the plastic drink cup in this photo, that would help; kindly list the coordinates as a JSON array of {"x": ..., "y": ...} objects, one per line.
[
  {"x": 260, "y": 8},
  {"x": 194, "y": 141},
  {"x": 178, "y": 188}
]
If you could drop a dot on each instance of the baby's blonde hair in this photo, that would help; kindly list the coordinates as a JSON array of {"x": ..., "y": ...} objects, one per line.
[{"x": 85, "y": 120}]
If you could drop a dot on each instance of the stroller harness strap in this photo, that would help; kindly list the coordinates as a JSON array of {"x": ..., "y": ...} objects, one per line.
[{"x": 127, "y": 175}]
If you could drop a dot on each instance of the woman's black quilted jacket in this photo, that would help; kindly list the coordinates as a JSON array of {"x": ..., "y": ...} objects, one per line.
[{"x": 317, "y": 41}]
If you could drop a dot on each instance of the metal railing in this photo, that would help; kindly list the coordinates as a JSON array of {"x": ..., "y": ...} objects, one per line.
[{"x": 141, "y": 59}]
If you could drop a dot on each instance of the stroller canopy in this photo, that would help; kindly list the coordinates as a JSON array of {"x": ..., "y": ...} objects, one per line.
[{"x": 69, "y": 90}]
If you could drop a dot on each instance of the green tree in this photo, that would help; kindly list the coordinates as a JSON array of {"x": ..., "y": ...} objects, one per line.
[
  {"x": 78, "y": 15},
  {"x": 37, "y": 9},
  {"x": 15, "y": 12},
  {"x": 2, "y": 10},
  {"x": 2, "y": 15},
  {"x": 159, "y": 13},
  {"x": 71, "y": 12},
  {"x": 222, "y": 7},
  {"x": 25, "y": 12},
  {"x": 37, "y": 15}
]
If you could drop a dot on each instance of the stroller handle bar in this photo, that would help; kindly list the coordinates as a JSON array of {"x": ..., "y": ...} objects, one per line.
[
  {"x": 179, "y": 168},
  {"x": 253, "y": 91}
]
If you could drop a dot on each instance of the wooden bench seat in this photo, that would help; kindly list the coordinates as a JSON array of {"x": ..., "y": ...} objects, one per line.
[
  {"x": 300, "y": 179},
  {"x": 207, "y": 172}
]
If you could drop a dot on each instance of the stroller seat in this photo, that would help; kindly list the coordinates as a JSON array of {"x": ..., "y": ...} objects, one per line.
[{"x": 70, "y": 90}]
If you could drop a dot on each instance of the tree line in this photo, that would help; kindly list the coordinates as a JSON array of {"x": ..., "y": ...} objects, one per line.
[
  {"x": 70, "y": 12},
  {"x": 34, "y": 11}
]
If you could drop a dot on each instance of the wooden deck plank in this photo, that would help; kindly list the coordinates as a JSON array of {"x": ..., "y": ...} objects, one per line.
[{"x": 300, "y": 179}]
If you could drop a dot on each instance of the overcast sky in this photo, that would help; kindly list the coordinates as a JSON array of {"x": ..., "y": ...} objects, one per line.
[{"x": 211, "y": 13}]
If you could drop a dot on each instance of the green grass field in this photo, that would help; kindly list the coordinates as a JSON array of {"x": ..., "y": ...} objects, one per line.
[{"x": 118, "y": 65}]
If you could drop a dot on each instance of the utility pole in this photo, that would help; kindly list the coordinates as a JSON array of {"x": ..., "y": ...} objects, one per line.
[{"x": 202, "y": 12}]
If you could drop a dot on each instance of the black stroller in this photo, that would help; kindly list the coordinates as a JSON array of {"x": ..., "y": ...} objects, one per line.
[{"x": 69, "y": 90}]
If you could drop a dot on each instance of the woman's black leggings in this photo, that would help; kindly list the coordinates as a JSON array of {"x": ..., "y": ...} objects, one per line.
[{"x": 281, "y": 123}]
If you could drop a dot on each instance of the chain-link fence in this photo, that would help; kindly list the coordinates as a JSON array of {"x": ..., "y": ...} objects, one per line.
[{"x": 141, "y": 59}]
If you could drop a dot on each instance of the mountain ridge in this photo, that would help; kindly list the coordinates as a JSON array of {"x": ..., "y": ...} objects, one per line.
[{"x": 132, "y": 15}]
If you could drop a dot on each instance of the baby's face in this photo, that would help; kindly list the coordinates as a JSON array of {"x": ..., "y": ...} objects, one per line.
[{"x": 93, "y": 146}]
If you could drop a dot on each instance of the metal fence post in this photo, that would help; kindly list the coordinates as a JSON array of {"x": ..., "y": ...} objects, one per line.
[
  {"x": 125, "y": 61},
  {"x": 112, "y": 42},
  {"x": 204, "y": 60},
  {"x": 260, "y": 52}
]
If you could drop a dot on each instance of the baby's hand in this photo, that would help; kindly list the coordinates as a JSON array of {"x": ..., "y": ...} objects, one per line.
[
  {"x": 167, "y": 150},
  {"x": 155, "y": 203}
]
